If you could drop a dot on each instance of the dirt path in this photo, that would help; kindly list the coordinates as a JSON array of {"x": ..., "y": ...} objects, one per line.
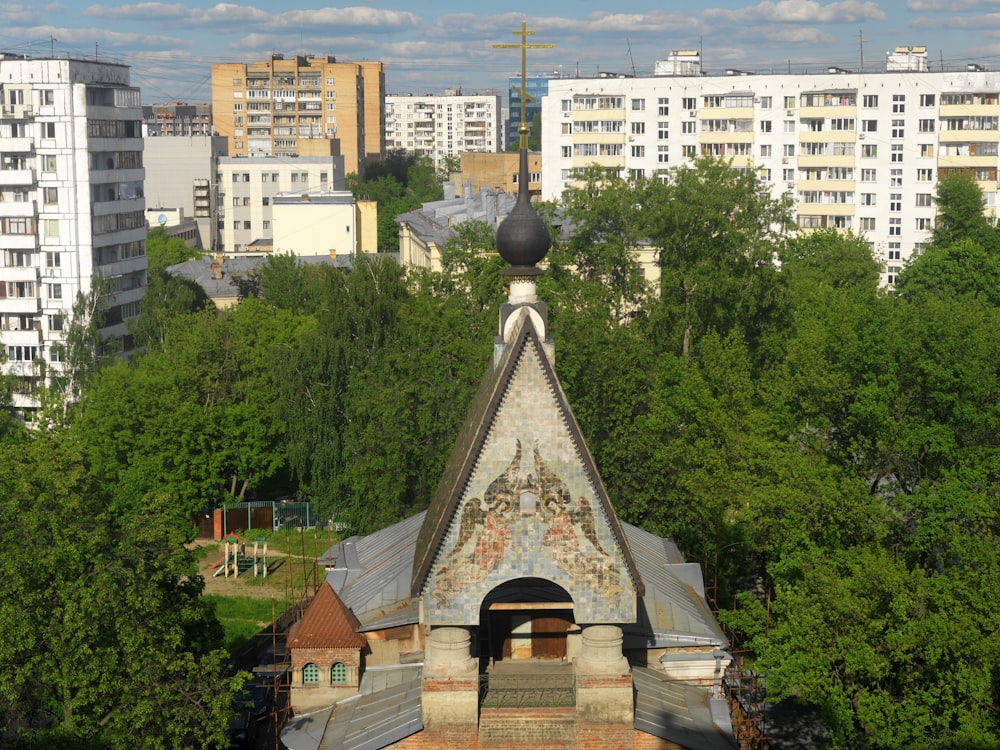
[{"x": 274, "y": 586}]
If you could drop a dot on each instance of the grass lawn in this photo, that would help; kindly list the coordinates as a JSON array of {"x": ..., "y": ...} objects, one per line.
[{"x": 241, "y": 617}]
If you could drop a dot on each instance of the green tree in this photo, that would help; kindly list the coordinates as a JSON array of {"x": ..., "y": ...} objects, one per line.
[
  {"x": 106, "y": 641},
  {"x": 719, "y": 233},
  {"x": 162, "y": 250}
]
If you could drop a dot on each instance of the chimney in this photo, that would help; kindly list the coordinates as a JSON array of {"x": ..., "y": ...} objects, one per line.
[
  {"x": 449, "y": 190},
  {"x": 216, "y": 270}
]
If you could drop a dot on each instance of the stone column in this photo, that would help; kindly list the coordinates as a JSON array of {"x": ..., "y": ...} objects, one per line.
[
  {"x": 603, "y": 677},
  {"x": 450, "y": 678}
]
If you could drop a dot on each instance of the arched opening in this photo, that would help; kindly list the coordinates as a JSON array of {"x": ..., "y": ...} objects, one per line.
[{"x": 527, "y": 618}]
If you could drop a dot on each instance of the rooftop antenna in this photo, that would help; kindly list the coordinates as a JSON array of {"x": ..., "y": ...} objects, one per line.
[
  {"x": 52, "y": 45},
  {"x": 861, "y": 49},
  {"x": 628, "y": 44}
]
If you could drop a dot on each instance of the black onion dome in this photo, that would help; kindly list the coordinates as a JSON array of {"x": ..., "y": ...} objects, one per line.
[{"x": 523, "y": 238}]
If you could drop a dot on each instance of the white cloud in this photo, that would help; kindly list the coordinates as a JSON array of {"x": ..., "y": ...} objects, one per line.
[
  {"x": 139, "y": 11},
  {"x": 800, "y": 11},
  {"x": 15, "y": 14},
  {"x": 947, "y": 6}
]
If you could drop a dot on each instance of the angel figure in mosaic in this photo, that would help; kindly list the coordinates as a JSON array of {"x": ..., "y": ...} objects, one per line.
[{"x": 483, "y": 535}]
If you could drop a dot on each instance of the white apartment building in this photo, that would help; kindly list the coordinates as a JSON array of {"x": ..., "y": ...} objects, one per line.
[
  {"x": 856, "y": 151},
  {"x": 444, "y": 126},
  {"x": 71, "y": 206},
  {"x": 248, "y": 185}
]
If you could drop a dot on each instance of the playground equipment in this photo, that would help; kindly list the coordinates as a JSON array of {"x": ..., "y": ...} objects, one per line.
[{"x": 236, "y": 559}]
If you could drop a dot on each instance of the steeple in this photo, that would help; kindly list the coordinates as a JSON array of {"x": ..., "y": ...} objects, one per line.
[{"x": 523, "y": 238}]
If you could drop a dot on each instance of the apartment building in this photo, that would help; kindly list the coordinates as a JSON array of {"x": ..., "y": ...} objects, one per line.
[
  {"x": 444, "y": 126},
  {"x": 177, "y": 119},
  {"x": 72, "y": 211},
  {"x": 302, "y": 105},
  {"x": 856, "y": 151},
  {"x": 180, "y": 176},
  {"x": 248, "y": 186},
  {"x": 536, "y": 88}
]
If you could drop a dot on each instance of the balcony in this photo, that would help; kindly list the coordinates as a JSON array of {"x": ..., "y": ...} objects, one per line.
[
  {"x": 16, "y": 112},
  {"x": 18, "y": 242},
  {"x": 28, "y": 337},
  {"x": 19, "y": 305},
  {"x": 18, "y": 145},
  {"x": 17, "y": 177},
  {"x": 17, "y": 208}
]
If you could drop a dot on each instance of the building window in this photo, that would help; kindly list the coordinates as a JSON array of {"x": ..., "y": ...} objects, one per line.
[
  {"x": 897, "y": 128},
  {"x": 688, "y": 127},
  {"x": 897, "y": 152},
  {"x": 927, "y": 149},
  {"x": 638, "y": 152},
  {"x": 48, "y": 130},
  {"x": 895, "y": 202},
  {"x": 926, "y": 126},
  {"x": 924, "y": 199},
  {"x": 867, "y": 199},
  {"x": 310, "y": 674},
  {"x": 895, "y": 226},
  {"x": 867, "y": 224},
  {"x": 637, "y": 174},
  {"x": 788, "y": 175},
  {"x": 869, "y": 126},
  {"x": 789, "y": 126},
  {"x": 567, "y": 152},
  {"x": 55, "y": 291},
  {"x": 267, "y": 224},
  {"x": 246, "y": 224},
  {"x": 923, "y": 224},
  {"x": 896, "y": 178},
  {"x": 789, "y": 102},
  {"x": 765, "y": 150},
  {"x": 765, "y": 102},
  {"x": 663, "y": 131},
  {"x": 689, "y": 151},
  {"x": 789, "y": 149},
  {"x": 689, "y": 102},
  {"x": 869, "y": 101},
  {"x": 638, "y": 128},
  {"x": 765, "y": 126},
  {"x": 663, "y": 108},
  {"x": 869, "y": 151},
  {"x": 51, "y": 227},
  {"x": 49, "y": 163},
  {"x": 53, "y": 260},
  {"x": 46, "y": 97},
  {"x": 898, "y": 104},
  {"x": 338, "y": 674},
  {"x": 925, "y": 175},
  {"x": 927, "y": 100},
  {"x": 51, "y": 196},
  {"x": 662, "y": 154},
  {"x": 638, "y": 105}
]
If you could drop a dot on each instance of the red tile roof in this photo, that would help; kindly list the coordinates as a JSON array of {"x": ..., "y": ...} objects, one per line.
[{"x": 327, "y": 623}]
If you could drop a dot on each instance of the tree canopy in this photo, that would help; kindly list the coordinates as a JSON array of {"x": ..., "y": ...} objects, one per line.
[{"x": 824, "y": 447}]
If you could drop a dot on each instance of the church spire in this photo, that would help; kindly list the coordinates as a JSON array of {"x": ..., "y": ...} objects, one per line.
[{"x": 523, "y": 238}]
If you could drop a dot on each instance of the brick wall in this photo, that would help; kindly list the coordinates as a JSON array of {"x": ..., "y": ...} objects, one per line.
[{"x": 589, "y": 737}]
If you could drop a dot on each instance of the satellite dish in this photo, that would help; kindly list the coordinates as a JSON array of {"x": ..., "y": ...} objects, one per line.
[{"x": 162, "y": 219}]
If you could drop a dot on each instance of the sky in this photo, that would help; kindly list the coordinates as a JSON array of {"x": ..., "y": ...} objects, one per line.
[{"x": 430, "y": 45}]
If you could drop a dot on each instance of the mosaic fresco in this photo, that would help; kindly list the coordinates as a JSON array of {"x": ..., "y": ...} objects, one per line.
[{"x": 529, "y": 510}]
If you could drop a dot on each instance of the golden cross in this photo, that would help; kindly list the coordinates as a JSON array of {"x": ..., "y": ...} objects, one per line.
[{"x": 522, "y": 129}]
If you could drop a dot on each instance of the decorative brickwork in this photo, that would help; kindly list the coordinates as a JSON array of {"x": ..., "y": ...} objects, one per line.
[{"x": 589, "y": 736}]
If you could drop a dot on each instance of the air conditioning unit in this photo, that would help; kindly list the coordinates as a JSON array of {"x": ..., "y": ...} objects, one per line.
[
  {"x": 789, "y": 112},
  {"x": 784, "y": 160},
  {"x": 692, "y": 113},
  {"x": 861, "y": 136},
  {"x": 791, "y": 185}
]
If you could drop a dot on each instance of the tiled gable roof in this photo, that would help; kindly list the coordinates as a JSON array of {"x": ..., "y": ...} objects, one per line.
[{"x": 327, "y": 623}]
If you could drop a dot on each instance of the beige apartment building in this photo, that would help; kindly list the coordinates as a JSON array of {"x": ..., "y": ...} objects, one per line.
[{"x": 302, "y": 105}]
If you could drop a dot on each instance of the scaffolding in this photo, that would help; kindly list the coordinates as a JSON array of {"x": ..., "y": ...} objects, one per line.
[{"x": 268, "y": 657}]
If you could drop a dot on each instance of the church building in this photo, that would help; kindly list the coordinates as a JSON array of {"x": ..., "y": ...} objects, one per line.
[{"x": 517, "y": 610}]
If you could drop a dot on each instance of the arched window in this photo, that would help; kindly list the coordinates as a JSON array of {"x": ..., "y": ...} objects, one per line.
[
  {"x": 310, "y": 674},
  {"x": 338, "y": 674}
]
